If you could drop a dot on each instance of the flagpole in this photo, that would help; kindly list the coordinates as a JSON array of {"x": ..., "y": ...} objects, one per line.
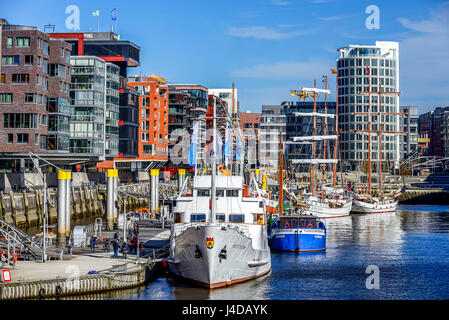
[{"x": 116, "y": 15}]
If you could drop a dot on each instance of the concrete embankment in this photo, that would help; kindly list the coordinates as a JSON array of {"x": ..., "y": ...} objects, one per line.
[{"x": 64, "y": 278}]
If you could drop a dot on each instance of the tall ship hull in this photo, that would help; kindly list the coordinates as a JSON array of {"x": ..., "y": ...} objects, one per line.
[
  {"x": 375, "y": 206},
  {"x": 329, "y": 209},
  {"x": 219, "y": 255}
]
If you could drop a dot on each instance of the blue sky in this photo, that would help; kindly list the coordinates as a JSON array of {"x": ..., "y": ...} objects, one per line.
[{"x": 265, "y": 47}]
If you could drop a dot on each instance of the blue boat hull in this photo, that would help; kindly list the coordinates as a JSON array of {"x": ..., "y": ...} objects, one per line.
[{"x": 295, "y": 240}]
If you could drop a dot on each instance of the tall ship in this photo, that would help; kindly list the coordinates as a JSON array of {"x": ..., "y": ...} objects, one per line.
[
  {"x": 219, "y": 236},
  {"x": 329, "y": 201},
  {"x": 376, "y": 201}
]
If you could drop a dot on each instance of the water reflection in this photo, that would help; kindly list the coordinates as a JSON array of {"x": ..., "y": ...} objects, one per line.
[{"x": 409, "y": 247}]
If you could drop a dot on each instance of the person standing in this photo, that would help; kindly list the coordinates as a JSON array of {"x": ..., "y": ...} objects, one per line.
[
  {"x": 136, "y": 229},
  {"x": 115, "y": 245},
  {"x": 93, "y": 242},
  {"x": 69, "y": 245},
  {"x": 125, "y": 249}
]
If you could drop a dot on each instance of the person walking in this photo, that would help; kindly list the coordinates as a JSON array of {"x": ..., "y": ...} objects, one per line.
[
  {"x": 125, "y": 249},
  {"x": 107, "y": 246},
  {"x": 133, "y": 243},
  {"x": 115, "y": 245}
]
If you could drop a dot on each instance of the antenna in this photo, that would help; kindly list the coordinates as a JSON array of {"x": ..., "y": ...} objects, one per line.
[{"x": 50, "y": 27}]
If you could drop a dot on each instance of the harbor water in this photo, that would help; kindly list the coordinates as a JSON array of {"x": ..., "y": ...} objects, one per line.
[{"x": 409, "y": 248}]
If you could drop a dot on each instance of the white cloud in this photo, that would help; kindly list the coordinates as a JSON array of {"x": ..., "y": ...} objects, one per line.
[
  {"x": 424, "y": 59},
  {"x": 333, "y": 18},
  {"x": 286, "y": 70},
  {"x": 261, "y": 32}
]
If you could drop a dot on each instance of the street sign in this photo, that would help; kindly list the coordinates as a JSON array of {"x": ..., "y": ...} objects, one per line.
[{"x": 6, "y": 275}]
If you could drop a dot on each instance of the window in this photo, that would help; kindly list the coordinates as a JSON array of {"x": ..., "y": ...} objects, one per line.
[
  {"x": 20, "y": 78},
  {"x": 3, "y": 78},
  {"x": 198, "y": 217},
  {"x": 30, "y": 98},
  {"x": 220, "y": 217},
  {"x": 28, "y": 60},
  {"x": 46, "y": 48},
  {"x": 19, "y": 121},
  {"x": 45, "y": 66},
  {"x": 10, "y": 138},
  {"x": 9, "y": 42},
  {"x": 36, "y": 139},
  {"x": 5, "y": 97},
  {"x": 52, "y": 69},
  {"x": 232, "y": 193},
  {"x": 22, "y": 138},
  {"x": 38, "y": 61},
  {"x": 220, "y": 193},
  {"x": 238, "y": 218},
  {"x": 203, "y": 193},
  {"x": 10, "y": 60},
  {"x": 22, "y": 41},
  {"x": 44, "y": 120},
  {"x": 43, "y": 142}
]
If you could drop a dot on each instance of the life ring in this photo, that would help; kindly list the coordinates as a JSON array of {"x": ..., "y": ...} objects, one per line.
[
  {"x": 287, "y": 225},
  {"x": 58, "y": 290},
  {"x": 310, "y": 226},
  {"x": 42, "y": 293}
]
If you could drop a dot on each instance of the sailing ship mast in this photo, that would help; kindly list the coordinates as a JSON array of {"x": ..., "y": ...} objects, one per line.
[
  {"x": 336, "y": 132},
  {"x": 324, "y": 143},
  {"x": 379, "y": 130},
  {"x": 213, "y": 196},
  {"x": 281, "y": 178},
  {"x": 312, "y": 168}
]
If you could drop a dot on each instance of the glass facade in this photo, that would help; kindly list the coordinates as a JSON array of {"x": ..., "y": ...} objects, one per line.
[
  {"x": 362, "y": 70},
  {"x": 94, "y": 100}
]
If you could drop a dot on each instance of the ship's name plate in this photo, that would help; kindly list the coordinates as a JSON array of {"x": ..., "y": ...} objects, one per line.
[{"x": 238, "y": 246}]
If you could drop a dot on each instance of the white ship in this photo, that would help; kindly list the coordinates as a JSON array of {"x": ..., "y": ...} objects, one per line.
[
  {"x": 219, "y": 236},
  {"x": 227, "y": 247},
  {"x": 329, "y": 202}
]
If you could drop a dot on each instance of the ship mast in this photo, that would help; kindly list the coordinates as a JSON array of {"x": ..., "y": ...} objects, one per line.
[
  {"x": 336, "y": 133},
  {"x": 324, "y": 143},
  {"x": 213, "y": 196},
  {"x": 379, "y": 130},
  {"x": 281, "y": 178},
  {"x": 312, "y": 169}
]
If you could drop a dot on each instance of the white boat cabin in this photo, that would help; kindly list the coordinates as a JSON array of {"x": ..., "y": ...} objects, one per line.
[{"x": 231, "y": 204}]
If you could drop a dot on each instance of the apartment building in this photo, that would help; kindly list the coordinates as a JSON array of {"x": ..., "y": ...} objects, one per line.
[{"x": 34, "y": 92}]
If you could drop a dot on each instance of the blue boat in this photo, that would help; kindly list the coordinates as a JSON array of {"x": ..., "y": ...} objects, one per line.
[{"x": 300, "y": 233}]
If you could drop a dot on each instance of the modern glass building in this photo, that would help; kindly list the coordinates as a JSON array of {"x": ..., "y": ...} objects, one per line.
[
  {"x": 382, "y": 62},
  {"x": 94, "y": 101}
]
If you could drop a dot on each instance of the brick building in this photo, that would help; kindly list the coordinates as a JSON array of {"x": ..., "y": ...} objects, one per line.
[{"x": 34, "y": 93}]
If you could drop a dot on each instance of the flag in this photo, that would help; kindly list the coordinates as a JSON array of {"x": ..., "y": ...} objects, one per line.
[
  {"x": 193, "y": 145},
  {"x": 348, "y": 189},
  {"x": 219, "y": 146},
  {"x": 367, "y": 70},
  {"x": 227, "y": 147},
  {"x": 96, "y": 13},
  {"x": 114, "y": 14},
  {"x": 238, "y": 150}
]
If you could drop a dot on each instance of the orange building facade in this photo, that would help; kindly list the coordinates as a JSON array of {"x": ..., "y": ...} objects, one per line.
[{"x": 153, "y": 119}]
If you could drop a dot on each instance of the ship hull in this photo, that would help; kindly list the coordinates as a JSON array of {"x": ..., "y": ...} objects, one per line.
[
  {"x": 298, "y": 240},
  {"x": 323, "y": 210},
  {"x": 362, "y": 207},
  {"x": 195, "y": 255}
]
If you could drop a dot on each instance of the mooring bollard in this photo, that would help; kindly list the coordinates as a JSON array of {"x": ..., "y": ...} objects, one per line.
[
  {"x": 111, "y": 197},
  {"x": 63, "y": 204}
]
